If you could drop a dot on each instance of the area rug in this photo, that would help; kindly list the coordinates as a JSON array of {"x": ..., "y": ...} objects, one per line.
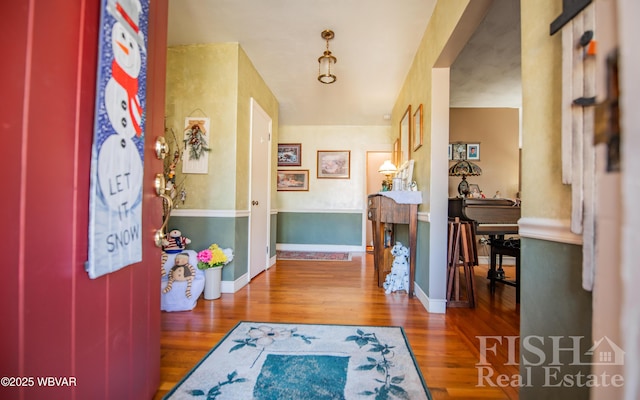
[
  {"x": 259, "y": 360},
  {"x": 312, "y": 255}
]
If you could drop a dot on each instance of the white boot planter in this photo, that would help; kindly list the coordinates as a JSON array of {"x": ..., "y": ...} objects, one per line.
[
  {"x": 212, "y": 283},
  {"x": 211, "y": 261}
]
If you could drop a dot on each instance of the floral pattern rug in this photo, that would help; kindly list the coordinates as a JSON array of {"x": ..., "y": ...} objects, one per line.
[
  {"x": 312, "y": 255},
  {"x": 259, "y": 360}
]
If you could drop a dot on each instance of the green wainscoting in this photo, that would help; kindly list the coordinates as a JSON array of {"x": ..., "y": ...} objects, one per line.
[
  {"x": 422, "y": 257},
  {"x": 225, "y": 231},
  {"x": 320, "y": 228},
  {"x": 274, "y": 232},
  {"x": 553, "y": 303}
]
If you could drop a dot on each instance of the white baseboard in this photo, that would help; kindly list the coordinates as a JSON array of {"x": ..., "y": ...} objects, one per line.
[
  {"x": 436, "y": 306},
  {"x": 319, "y": 247},
  {"x": 234, "y": 286}
]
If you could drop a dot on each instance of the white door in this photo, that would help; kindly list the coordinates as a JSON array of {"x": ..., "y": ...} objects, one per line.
[{"x": 259, "y": 194}]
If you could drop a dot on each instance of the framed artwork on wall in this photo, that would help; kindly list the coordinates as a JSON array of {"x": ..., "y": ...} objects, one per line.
[
  {"x": 291, "y": 180},
  {"x": 473, "y": 151},
  {"x": 459, "y": 151},
  {"x": 405, "y": 136},
  {"x": 289, "y": 154},
  {"x": 395, "y": 157},
  {"x": 450, "y": 157},
  {"x": 334, "y": 164},
  {"x": 416, "y": 132},
  {"x": 474, "y": 191}
]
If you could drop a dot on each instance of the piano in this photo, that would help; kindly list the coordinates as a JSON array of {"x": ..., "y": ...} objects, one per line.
[{"x": 493, "y": 217}]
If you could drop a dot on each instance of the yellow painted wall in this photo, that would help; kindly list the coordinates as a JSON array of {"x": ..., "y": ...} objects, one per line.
[
  {"x": 417, "y": 86},
  {"x": 217, "y": 81},
  {"x": 543, "y": 194},
  {"x": 202, "y": 81},
  {"x": 251, "y": 84}
]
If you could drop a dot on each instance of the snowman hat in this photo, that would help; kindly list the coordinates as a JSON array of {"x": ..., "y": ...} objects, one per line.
[{"x": 127, "y": 12}]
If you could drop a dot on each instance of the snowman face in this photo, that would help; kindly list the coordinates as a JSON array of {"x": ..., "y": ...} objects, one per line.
[{"x": 125, "y": 50}]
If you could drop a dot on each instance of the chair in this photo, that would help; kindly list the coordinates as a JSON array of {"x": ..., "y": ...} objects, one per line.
[
  {"x": 507, "y": 247},
  {"x": 462, "y": 251}
]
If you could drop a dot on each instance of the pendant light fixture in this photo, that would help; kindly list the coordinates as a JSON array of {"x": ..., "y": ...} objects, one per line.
[{"x": 326, "y": 61}]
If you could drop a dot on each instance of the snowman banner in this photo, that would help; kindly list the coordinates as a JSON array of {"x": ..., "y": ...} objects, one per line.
[{"x": 115, "y": 209}]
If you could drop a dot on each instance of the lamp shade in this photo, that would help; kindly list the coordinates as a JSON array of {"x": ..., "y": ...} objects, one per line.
[
  {"x": 465, "y": 168},
  {"x": 387, "y": 168}
]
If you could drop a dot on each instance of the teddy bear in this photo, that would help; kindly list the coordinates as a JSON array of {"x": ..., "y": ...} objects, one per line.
[
  {"x": 181, "y": 271},
  {"x": 173, "y": 243},
  {"x": 398, "y": 278}
]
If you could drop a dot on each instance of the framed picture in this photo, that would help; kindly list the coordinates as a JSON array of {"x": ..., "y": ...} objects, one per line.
[
  {"x": 474, "y": 191},
  {"x": 334, "y": 164},
  {"x": 459, "y": 151},
  {"x": 405, "y": 136},
  {"x": 405, "y": 172},
  {"x": 450, "y": 157},
  {"x": 416, "y": 132},
  {"x": 473, "y": 151},
  {"x": 395, "y": 157},
  {"x": 293, "y": 180},
  {"x": 289, "y": 154}
]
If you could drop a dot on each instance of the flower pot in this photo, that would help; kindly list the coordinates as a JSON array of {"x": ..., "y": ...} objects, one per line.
[{"x": 212, "y": 283}]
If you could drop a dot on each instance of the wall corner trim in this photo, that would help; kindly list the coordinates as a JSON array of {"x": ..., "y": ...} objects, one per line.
[
  {"x": 553, "y": 230},
  {"x": 436, "y": 306},
  {"x": 187, "y": 212}
]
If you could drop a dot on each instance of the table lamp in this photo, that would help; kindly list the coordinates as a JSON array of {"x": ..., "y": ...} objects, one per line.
[
  {"x": 464, "y": 168},
  {"x": 387, "y": 169}
]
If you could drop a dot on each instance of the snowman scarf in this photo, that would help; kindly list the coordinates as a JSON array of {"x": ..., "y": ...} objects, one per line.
[{"x": 130, "y": 84}]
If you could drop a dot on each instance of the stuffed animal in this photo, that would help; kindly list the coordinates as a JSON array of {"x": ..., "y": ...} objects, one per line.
[
  {"x": 398, "y": 278},
  {"x": 181, "y": 271},
  {"x": 174, "y": 242}
]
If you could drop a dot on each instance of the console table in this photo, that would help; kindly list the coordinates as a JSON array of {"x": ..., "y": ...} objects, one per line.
[{"x": 394, "y": 207}]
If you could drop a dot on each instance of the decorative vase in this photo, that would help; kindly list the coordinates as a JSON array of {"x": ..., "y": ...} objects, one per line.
[{"x": 212, "y": 282}]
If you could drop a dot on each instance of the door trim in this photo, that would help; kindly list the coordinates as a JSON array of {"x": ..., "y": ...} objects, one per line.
[{"x": 254, "y": 106}]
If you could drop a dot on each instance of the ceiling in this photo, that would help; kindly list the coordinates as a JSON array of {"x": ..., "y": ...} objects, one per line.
[{"x": 375, "y": 43}]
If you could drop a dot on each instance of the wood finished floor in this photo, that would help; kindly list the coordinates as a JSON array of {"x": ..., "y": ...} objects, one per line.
[{"x": 345, "y": 292}]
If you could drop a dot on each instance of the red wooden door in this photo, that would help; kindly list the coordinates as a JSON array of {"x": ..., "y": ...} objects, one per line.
[{"x": 101, "y": 334}]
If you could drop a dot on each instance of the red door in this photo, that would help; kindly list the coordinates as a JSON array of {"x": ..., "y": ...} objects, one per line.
[{"x": 102, "y": 335}]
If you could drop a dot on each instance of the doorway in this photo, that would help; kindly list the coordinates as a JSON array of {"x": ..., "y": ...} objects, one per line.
[
  {"x": 373, "y": 185},
  {"x": 261, "y": 124}
]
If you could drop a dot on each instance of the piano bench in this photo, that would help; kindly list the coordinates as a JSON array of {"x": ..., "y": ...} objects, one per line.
[{"x": 507, "y": 247}]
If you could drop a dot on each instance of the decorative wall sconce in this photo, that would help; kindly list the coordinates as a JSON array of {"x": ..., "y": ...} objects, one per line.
[{"x": 326, "y": 61}]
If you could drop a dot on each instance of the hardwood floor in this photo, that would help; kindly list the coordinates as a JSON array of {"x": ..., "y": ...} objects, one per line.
[{"x": 445, "y": 345}]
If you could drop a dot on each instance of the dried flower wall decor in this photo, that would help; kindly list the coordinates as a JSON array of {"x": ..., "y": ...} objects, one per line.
[{"x": 196, "y": 145}]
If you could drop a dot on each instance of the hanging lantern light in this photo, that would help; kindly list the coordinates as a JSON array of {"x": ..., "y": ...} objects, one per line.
[{"x": 326, "y": 61}]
